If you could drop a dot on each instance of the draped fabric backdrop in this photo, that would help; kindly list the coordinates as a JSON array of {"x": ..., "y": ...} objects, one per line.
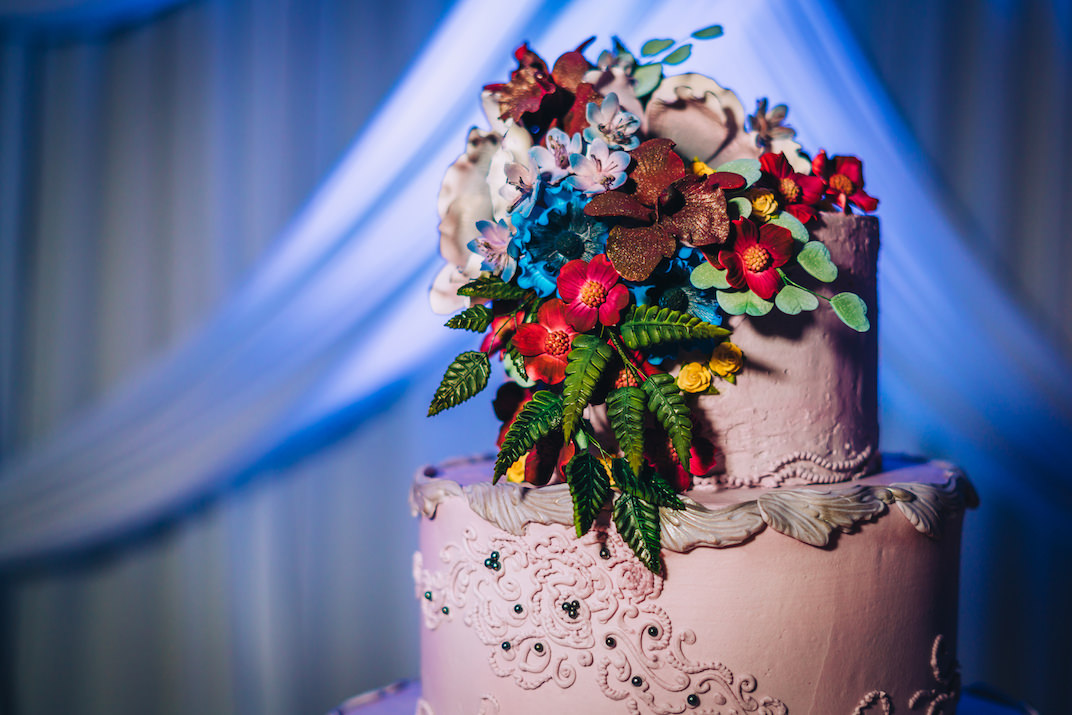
[{"x": 217, "y": 229}]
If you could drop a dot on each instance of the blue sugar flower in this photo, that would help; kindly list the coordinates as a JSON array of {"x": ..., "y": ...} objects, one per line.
[{"x": 542, "y": 248}]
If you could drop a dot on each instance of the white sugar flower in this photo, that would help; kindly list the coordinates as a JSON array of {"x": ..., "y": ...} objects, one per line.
[
  {"x": 602, "y": 170},
  {"x": 612, "y": 124}
]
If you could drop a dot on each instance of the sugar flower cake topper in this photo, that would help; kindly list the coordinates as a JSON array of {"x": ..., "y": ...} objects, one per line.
[{"x": 597, "y": 234}]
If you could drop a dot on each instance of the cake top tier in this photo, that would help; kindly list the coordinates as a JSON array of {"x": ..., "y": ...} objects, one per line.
[{"x": 608, "y": 234}]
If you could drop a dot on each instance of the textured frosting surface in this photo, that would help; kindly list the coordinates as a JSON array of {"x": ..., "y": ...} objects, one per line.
[
  {"x": 521, "y": 616},
  {"x": 805, "y": 408}
]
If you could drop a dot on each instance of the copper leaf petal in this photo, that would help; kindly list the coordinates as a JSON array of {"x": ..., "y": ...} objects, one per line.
[
  {"x": 657, "y": 166},
  {"x": 636, "y": 251},
  {"x": 617, "y": 204},
  {"x": 702, "y": 220}
]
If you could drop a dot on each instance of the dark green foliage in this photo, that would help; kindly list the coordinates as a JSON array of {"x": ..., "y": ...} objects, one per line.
[
  {"x": 539, "y": 416},
  {"x": 587, "y": 360},
  {"x": 651, "y": 325},
  {"x": 625, "y": 408},
  {"x": 476, "y": 318},
  {"x": 648, "y": 485},
  {"x": 465, "y": 377},
  {"x": 637, "y": 522},
  {"x": 493, "y": 287},
  {"x": 589, "y": 486},
  {"x": 666, "y": 402}
]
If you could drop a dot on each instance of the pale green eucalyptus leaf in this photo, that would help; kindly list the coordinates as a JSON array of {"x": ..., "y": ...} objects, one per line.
[
  {"x": 791, "y": 222},
  {"x": 815, "y": 259},
  {"x": 654, "y": 47},
  {"x": 792, "y": 300},
  {"x": 743, "y": 303},
  {"x": 739, "y": 207},
  {"x": 679, "y": 55},
  {"x": 706, "y": 276},
  {"x": 646, "y": 78},
  {"x": 708, "y": 33},
  {"x": 852, "y": 310}
]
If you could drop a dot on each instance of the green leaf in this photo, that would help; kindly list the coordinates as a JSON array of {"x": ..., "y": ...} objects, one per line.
[
  {"x": 679, "y": 55},
  {"x": 740, "y": 206},
  {"x": 791, "y": 222},
  {"x": 585, "y": 365},
  {"x": 625, "y": 409},
  {"x": 706, "y": 276},
  {"x": 638, "y": 524},
  {"x": 650, "y": 325},
  {"x": 792, "y": 300},
  {"x": 646, "y": 78},
  {"x": 748, "y": 168},
  {"x": 815, "y": 259},
  {"x": 647, "y": 484},
  {"x": 666, "y": 402},
  {"x": 852, "y": 310},
  {"x": 476, "y": 318},
  {"x": 539, "y": 416},
  {"x": 493, "y": 287},
  {"x": 708, "y": 33},
  {"x": 654, "y": 47},
  {"x": 514, "y": 365},
  {"x": 589, "y": 486},
  {"x": 465, "y": 377},
  {"x": 739, "y": 302}
]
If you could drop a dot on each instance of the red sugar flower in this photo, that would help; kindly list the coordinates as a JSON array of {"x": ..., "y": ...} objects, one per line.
[
  {"x": 592, "y": 292},
  {"x": 844, "y": 177},
  {"x": 756, "y": 256},
  {"x": 546, "y": 343},
  {"x": 799, "y": 192}
]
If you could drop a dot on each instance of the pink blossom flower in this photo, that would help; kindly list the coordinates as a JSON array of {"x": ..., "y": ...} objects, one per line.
[
  {"x": 592, "y": 292},
  {"x": 602, "y": 170},
  {"x": 546, "y": 344}
]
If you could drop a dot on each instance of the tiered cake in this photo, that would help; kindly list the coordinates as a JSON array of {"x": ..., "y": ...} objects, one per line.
[{"x": 629, "y": 241}]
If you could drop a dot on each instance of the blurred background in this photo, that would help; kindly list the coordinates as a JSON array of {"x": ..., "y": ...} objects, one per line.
[{"x": 217, "y": 231}]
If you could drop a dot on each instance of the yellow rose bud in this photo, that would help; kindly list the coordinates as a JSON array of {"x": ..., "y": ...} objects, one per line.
[
  {"x": 726, "y": 360},
  {"x": 764, "y": 203},
  {"x": 694, "y": 377},
  {"x": 701, "y": 169},
  {"x": 516, "y": 472}
]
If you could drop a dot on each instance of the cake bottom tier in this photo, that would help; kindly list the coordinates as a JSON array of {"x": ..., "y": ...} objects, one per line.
[{"x": 834, "y": 599}]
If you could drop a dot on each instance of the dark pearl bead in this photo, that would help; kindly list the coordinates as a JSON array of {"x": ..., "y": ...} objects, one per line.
[
  {"x": 538, "y": 647},
  {"x": 496, "y": 565},
  {"x": 604, "y": 553},
  {"x": 610, "y": 642},
  {"x": 445, "y": 610},
  {"x": 518, "y": 608},
  {"x": 693, "y": 700},
  {"x": 506, "y": 645},
  {"x": 653, "y": 631},
  {"x": 494, "y": 555},
  {"x": 637, "y": 681},
  {"x": 428, "y": 595}
]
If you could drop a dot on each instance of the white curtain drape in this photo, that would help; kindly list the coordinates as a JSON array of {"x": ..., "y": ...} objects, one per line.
[{"x": 305, "y": 573}]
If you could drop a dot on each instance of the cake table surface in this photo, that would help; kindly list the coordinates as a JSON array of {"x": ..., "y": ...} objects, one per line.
[{"x": 401, "y": 699}]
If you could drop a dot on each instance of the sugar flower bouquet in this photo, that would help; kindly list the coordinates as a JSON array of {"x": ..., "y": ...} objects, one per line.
[{"x": 597, "y": 234}]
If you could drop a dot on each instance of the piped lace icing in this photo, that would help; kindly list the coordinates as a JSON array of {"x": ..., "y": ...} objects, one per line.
[
  {"x": 552, "y": 611},
  {"x": 940, "y": 699}
]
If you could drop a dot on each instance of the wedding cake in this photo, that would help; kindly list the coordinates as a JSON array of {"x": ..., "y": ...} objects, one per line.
[{"x": 688, "y": 511}]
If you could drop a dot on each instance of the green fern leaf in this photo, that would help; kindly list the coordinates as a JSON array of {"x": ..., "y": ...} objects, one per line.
[
  {"x": 648, "y": 485},
  {"x": 465, "y": 377},
  {"x": 666, "y": 402},
  {"x": 637, "y": 522},
  {"x": 539, "y": 416},
  {"x": 625, "y": 408},
  {"x": 589, "y": 486},
  {"x": 587, "y": 360},
  {"x": 476, "y": 318},
  {"x": 650, "y": 325},
  {"x": 493, "y": 287}
]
